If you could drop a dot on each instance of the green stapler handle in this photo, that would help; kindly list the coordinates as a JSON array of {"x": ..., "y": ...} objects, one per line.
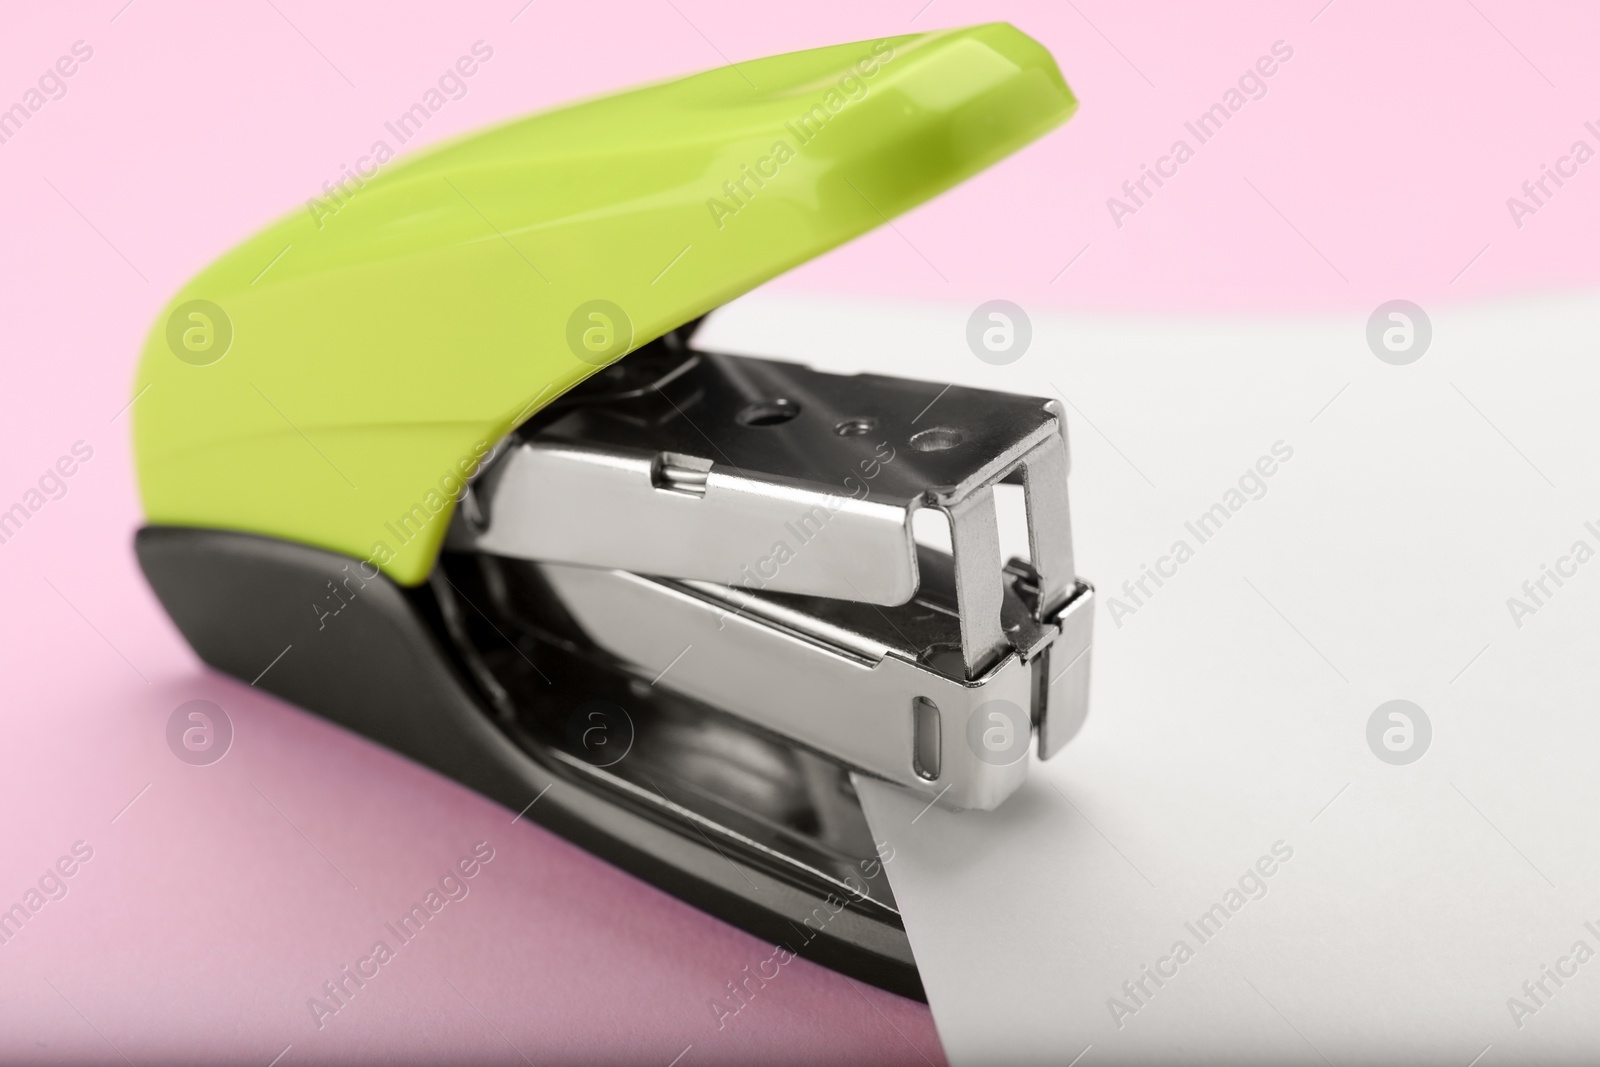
[{"x": 333, "y": 379}]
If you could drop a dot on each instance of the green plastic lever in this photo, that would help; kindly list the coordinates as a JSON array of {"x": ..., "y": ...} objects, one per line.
[{"x": 333, "y": 379}]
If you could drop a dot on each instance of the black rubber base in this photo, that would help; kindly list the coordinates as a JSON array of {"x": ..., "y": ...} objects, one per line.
[{"x": 381, "y": 668}]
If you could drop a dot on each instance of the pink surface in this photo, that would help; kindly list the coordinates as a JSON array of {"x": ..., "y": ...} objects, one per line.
[{"x": 1377, "y": 165}]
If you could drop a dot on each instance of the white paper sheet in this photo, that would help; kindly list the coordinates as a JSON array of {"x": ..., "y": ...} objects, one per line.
[{"x": 1412, "y": 912}]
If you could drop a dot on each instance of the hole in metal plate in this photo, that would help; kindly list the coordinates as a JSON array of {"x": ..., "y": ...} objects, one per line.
[
  {"x": 768, "y": 413},
  {"x": 938, "y": 439},
  {"x": 925, "y": 738}
]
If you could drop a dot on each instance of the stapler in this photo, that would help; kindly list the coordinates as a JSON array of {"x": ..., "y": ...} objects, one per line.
[{"x": 447, "y": 467}]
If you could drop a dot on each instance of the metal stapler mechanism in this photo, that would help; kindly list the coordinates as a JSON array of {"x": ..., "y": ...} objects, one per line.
[{"x": 456, "y": 460}]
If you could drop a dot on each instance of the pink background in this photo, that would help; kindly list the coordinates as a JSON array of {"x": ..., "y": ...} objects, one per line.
[{"x": 1377, "y": 166}]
